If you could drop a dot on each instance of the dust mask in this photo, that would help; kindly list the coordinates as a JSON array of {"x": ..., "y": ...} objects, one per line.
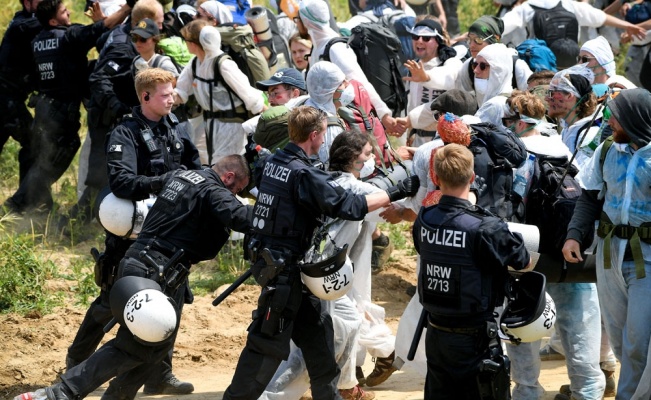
[
  {"x": 367, "y": 169},
  {"x": 346, "y": 96},
  {"x": 481, "y": 85}
]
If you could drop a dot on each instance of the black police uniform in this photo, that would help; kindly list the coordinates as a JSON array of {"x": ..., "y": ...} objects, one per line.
[
  {"x": 60, "y": 55},
  {"x": 292, "y": 195},
  {"x": 135, "y": 166},
  {"x": 17, "y": 81},
  {"x": 194, "y": 212},
  {"x": 464, "y": 254},
  {"x": 112, "y": 95}
]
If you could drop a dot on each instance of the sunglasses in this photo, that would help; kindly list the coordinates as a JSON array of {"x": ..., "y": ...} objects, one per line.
[
  {"x": 425, "y": 38},
  {"x": 482, "y": 65},
  {"x": 138, "y": 39},
  {"x": 479, "y": 41},
  {"x": 584, "y": 59},
  {"x": 436, "y": 114}
]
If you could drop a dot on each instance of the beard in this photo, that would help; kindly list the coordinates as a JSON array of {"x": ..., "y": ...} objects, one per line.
[{"x": 619, "y": 136}]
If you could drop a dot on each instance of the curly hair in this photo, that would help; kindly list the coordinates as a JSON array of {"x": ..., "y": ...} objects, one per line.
[{"x": 345, "y": 149}]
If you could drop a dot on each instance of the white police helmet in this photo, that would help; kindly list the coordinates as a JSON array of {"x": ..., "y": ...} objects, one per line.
[
  {"x": 148, "y": 313},
  {"x": 122, "y": 217},
  {"x": 530, "y": 313},
  {"x": 331, "y": 277}
]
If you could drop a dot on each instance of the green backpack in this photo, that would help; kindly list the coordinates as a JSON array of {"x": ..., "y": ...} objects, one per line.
[
  {"x": 238, "y": 43},
  {"x": 272, "y": 132},
  {"x": 175, "y": 48}
]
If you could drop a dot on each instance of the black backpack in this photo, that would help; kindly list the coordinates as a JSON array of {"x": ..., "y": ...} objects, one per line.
[
  {"x": 550, "y": 203},
  {"x": 496, "y": 152},
  {"x": 378, "y": 52},
  {"x": 555, "y": 23}
]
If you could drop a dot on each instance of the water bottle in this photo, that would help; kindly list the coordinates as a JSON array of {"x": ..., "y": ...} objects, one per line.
[
  {"x": 262, "y": 151},
  {"x": 523, "y": 176},
  {"x": 37, "y": 395}
]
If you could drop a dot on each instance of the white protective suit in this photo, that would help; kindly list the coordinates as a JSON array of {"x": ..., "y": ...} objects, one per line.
[
  {"x": 348, "y": 313},
  {"x": 522, "y": 73},
  {"x": 409, "y": 318},
  {"x": 522, "y": 15},
  {"x": 492, "y": 102},
  {"x": 315, "y": 16},
  {"x": 322, "y": 81},
  {"x": 228, "y": 137}
]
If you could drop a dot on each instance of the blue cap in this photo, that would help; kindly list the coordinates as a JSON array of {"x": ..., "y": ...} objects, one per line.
[{"x": 287, "y": 76}]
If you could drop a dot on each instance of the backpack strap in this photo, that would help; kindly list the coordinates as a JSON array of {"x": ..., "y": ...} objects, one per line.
[
  {"x": 326, "y": 51},
  {"x": 604, "y": 151}
]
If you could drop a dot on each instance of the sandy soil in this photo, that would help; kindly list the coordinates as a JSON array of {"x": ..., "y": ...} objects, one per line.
[{"x": 32, "y": 352}]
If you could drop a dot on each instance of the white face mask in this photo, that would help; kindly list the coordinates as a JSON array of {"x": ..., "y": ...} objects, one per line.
[
  {"x": 368, "y": 168},
  {"x": 346, "y": 96},
  {"x": 481, "y": 85}
]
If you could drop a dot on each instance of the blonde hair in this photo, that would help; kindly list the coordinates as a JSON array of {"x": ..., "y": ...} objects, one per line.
[
  {"x": 454, "y": 165},
  {"x": 192, "y": 31},
  {"x": 299, "y": 39},
  {"x": 147, "y": 80},
  {"x": 145, "y": 9},
  {"x": 304, "y": 120},
  {"x": 527, "y": 104}
]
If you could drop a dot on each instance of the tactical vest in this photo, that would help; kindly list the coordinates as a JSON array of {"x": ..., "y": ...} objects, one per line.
[
  {"x": 165, "y": 152},
  {"x": 16, "y": 63},
  {"x": 450, "y": 282},
  {"x": 50, "y": 61},
  {"x": 276, "y": 212}
]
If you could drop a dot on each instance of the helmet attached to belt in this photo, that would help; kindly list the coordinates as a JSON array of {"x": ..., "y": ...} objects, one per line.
[
  {"x": 123, "y": 217},
  {"x": 328, "y": 276},
  {"x": 138, "y": 304},
  {"x": 530, "y": 312}
]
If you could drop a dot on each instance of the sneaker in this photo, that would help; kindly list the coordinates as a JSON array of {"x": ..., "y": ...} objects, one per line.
[
  {"x": 382, "y": 248},
  {"x": 383, "y": 370},
  {"x": 547, "y": 353},
  {"x": 356, "y": 393},
  {"x": 171, "y": 385},
  {"x": 611, "y": 385},
  {"x": 561, "y": 396},
  {"x": 359, "y": 374}
]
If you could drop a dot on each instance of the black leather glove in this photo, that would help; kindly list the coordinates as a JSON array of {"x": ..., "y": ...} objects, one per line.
[
  {"x": 405, "y": 188},
  {"x": 157, "y": 182}
]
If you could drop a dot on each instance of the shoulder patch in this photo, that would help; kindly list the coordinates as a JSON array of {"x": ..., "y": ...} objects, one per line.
[
  {"x": 334, "y": 184},
  {"x": 115, "y": 148}
]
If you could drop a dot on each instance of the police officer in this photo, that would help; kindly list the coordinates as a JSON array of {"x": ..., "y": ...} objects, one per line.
[
  {"x": 59, "y": 52},
  {"x": 111, "y": 97},
  {"x": 145, "y": 146},
  {"x": 292, "y": 195},
  {"x": 190, "y": 222},
  {"x": 464, "y": 252},
  {"x": 16, "y": 78}
]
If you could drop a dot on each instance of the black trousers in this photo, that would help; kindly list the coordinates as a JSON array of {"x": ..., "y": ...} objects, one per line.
[
  {"x": 53, "y": 143},
  {"x": 452, "y": 364},
  {"x": 123, "y": 357},
  {"x": 91, "y": 332},
  {"x": 303, "y": 321},
  {"x": 15, "y": 122}
]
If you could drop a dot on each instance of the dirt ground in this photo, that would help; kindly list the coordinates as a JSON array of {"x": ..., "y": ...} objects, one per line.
[{"x": 32, "y": 352}]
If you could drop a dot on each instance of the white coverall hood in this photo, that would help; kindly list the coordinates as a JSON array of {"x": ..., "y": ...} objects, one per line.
[
  {"x": 316, "y": 18},
  {"x": 500, "y": 59},
  {"x": 211, "y": 41},
  {"x": 322, "y": 81},
  {"x": 218, "y": 10}
]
